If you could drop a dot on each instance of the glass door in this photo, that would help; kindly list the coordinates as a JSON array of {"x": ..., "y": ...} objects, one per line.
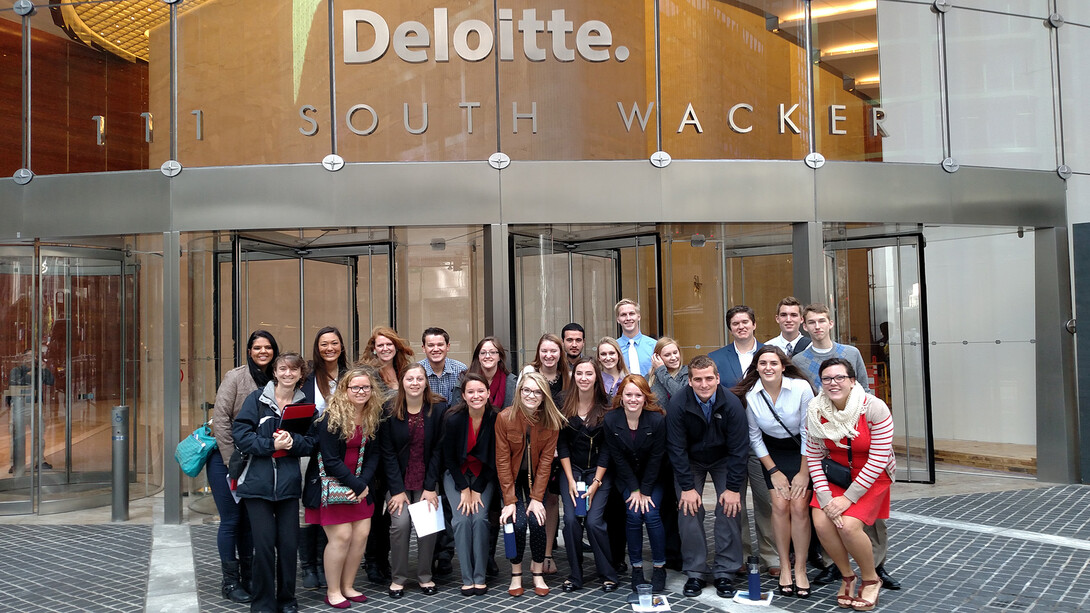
[
  {"x": 876, "y": 290},
  {"x": 18, "y": 353},
  {"x": 572, "y": 280}
]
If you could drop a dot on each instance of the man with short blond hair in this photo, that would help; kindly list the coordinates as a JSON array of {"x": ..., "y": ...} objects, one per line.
[{"x": 636, "y": 349}]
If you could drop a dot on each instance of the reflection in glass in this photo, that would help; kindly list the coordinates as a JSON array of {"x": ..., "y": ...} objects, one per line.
[
  {"x": 11, "y": 83},
  {"x": 88, "y": 95},
  {"x": 1001, "y": 107},
  {"x": 245, "y": 80},
  {"x": 730, "y": 66},
  {"x": 18, "y": 411},
  {"x": 1073, "y": 43}
]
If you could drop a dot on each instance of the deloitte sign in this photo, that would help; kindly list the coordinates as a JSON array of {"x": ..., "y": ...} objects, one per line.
[{"x": 473, "y": 39}]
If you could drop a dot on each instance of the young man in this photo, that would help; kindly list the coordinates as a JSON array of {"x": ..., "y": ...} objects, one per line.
[
  {"x": 733, "y": 359},
  {"x": 636, "y": 348},
  {"x": 707, "y": 436},
  {"x": 573, "y": 337},
  {"x": 789, "y": 319},
  {"x": 818, "y": 322},
  {"x": 443, "y": 372}
]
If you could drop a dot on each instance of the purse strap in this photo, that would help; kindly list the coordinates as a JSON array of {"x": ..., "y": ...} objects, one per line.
[
  {"x": 359, "y": 461},
  {"x": 794, "y": 437}
]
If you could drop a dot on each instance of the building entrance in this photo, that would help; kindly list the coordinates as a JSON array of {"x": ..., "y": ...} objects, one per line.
[
  {"x": 877, "y": 292},
  {"x": 69, "y": 344}
]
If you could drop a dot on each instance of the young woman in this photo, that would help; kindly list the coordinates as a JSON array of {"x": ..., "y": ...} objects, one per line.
[
  {"x": 552, "y": 363},
  {"x": 776, "y": 395},
  {"x": 526, "y": 434},
  {"x": 329, "y": 361},
  {"x": 234, "y": 531},
  {"x": 855, "y": 430},
  {"x": 669, "y": 375},
  {"x": 579, "y": 449},
  {"x": 270, "y": 487},
  {"x": 490, "y": 362},
  {"x": 389, "y": 354},
  {"x": 613, "y": 367},
  {"x": 636, "y": 440},
  {"x": 469, "y": 458},
  {"x": 410, "y": 453},
  {"x": 345, "y": 430}
]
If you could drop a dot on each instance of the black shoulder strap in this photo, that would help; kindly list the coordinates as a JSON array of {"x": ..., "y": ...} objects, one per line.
[{"x": 797, "y": 438}]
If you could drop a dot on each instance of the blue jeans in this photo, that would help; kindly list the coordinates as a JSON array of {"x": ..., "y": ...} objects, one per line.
[
  {"x": 656, "y": 534},
  {"x": 234, "y": 533}
]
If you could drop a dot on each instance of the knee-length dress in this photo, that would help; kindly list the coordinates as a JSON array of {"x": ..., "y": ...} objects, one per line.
[{"x": 334, "y": 514}]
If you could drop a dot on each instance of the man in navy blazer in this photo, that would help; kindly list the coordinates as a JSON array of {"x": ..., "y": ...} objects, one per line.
[{"x": 733, "y": 360}]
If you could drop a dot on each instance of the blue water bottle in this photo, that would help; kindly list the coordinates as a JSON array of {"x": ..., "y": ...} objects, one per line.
[
  {"x": 754, "y": 577},
  {"x": 510, "y": 548},
  {"x": 580, "y": 499}
]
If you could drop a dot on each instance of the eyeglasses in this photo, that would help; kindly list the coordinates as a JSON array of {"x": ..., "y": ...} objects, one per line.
[
  {"x": 532, "y": 393},
  {"x": 488, "y": 353},
  {"x": 837, "y": 378},
  {"x": 359, "y": 389}
]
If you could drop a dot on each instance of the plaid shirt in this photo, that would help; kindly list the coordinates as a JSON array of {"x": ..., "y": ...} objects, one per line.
[{"x": 445, "y": 383}]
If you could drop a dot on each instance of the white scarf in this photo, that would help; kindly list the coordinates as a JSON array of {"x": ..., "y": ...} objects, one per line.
[{"x": 838, "y": 424}]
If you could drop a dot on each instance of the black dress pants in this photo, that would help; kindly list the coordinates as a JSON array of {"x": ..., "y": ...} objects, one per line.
[{"x": 275, "y": 527}]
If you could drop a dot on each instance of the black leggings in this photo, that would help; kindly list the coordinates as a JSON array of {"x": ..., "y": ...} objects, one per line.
[{"x": 537, "y": 531}]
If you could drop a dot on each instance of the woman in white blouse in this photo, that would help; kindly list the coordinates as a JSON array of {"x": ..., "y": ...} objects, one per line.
[{"x": 776, "y": 395}]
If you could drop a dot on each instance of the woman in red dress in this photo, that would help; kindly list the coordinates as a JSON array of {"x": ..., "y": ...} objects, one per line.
[
  {"x": 347, "y": 429},
  {"x": 854, "y": 429}
]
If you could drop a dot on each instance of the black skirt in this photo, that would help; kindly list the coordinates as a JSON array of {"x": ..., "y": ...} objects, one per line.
[{"x": 786, "y": 454}]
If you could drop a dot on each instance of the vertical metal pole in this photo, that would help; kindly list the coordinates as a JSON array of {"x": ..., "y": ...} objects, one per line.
[
  {"x": 236, "y": 298},
  {"x": 119, "y": 420},
  {"x": 944, "y": 94},
  {"x": 172, "y": 386},
  {"x": 809, "y": 42},
  {"x": 332, "y": 81},
  {"x": 302, "y": 311},
  {"x": 26, "y": 91},
  {"x": 36, "y": 354},
  {"x": 174, "y": 81},
  {"x": 571, "y": 288},
  {"x": 69, "y": 385}
]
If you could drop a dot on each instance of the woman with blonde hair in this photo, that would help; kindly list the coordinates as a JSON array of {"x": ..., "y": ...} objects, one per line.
[
  {"x": 669, "y": 374},
  {"x": 526, "y": 434},
  {"x": 608, "y": 352},
  {"x": 348, "y": 452}
]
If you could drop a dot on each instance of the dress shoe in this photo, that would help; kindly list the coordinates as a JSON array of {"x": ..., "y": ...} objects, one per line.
[
  {"x": 377, "y": 574},
  {"x": 724, "y": 587},
  {"x": 429, "y": 590},
  {"x": 292, "y": 607},
  {"x": 568, "y": 586},
  {"x": 516, "y": 591},
  {"x": 357, "y": 598},
  {"x": 491, "y": 569},
  {"x": 310, "y": 579},
  {"x": 320, "y": 570},
  {"x": 693, "y": 587},
  {"x": 773, "y": 571},
  {"x": 831, "y": 574},
  {"x": 541, "y": 591},
  {"x": 658, "y": 579},
  {"x": 480, "y": 591},
  {"x": 344, "y": 604},
  {"x": 46, "y": 465},
  {"x": 888, "y": 582},
  {"x": 609, "y": 587},
  {"x": 469, "y": 591},
  {"x": 398, "y": 593},
  {"x": 442, "y": 568}
]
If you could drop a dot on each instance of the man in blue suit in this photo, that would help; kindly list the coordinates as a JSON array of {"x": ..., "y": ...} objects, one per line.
[{"x": 733, "y": 360}]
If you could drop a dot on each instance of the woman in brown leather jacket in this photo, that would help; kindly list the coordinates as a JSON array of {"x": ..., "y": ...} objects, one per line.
[{"x": 526, "y": 434}]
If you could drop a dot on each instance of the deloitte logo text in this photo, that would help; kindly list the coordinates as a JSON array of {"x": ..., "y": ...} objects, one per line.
[{"x": 473, "y": 39}]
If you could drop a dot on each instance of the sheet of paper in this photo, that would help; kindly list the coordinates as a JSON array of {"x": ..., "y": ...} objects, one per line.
[{"x": 427, "y": 520}]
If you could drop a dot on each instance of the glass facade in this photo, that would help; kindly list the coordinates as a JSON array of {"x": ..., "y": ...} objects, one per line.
[{"x": 417, "y": 230}]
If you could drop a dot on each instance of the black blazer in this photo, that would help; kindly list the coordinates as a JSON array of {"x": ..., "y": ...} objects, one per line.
[
  {"x": 637, "y": 461},
  {"x": 393, "y": 438},
  {"x": 333, "y": 449},
  {"x": 455, "y": 435}
]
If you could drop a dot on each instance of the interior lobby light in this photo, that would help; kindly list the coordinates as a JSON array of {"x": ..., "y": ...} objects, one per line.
[
  {"x": 835, "y": 10},
  {"x": 854, "y": 49},
  {"x": 870, "y": 81}
]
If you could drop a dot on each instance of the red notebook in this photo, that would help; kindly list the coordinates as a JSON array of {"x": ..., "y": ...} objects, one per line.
[{"x": 296, "y": 419}]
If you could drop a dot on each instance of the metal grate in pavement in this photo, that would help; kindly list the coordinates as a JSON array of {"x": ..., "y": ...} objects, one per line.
[{"x": 74, "y": 568}]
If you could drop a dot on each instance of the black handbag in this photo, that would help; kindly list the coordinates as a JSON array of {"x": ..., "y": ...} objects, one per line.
[{"x": 836, "y": 473}]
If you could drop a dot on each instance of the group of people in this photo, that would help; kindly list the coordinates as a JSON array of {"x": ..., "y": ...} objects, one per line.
[{"x": 628, "y": 430}]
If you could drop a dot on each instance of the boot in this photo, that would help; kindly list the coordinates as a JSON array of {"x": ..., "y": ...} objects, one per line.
[
  {"x": 658, "y": 579},
  {"x": 246, "y": 572},
  {"x": 321, "y": 576},
  {"x": 637, "y": 577},
  {"x": 232, "y": 590},
  {"x": 310, "y": 578}
]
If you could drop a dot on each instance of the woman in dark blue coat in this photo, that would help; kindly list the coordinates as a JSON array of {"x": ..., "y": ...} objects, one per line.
[{"x": 270, "y": 486}]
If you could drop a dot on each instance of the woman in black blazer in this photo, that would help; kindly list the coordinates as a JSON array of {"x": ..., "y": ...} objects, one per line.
[
  {"x": 410, "y": 450},
  {"x": 635, "y": 431},
  {"x": 469, "y": 456}
]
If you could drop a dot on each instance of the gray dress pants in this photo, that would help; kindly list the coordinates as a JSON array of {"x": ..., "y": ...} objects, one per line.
[
  {"x": 728, "y": 530},
  {"x": 762, "y": 516},
  {"x": 471, "y": 533},
  {"x": 401, "y": 527}
]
